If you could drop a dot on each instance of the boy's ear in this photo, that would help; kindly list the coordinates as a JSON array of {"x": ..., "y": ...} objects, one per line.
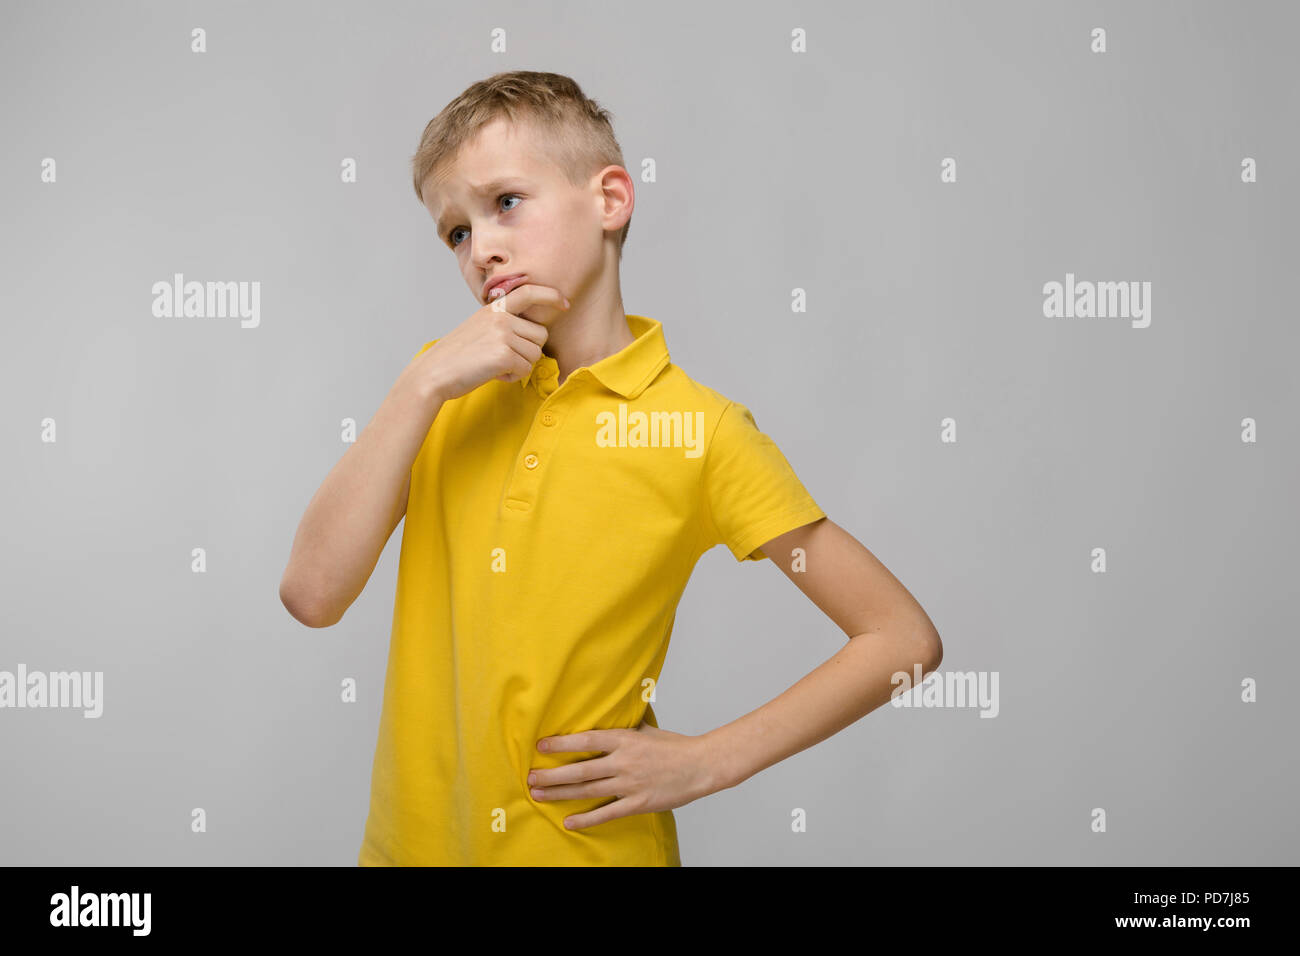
[{"x": 617, "y": 196}]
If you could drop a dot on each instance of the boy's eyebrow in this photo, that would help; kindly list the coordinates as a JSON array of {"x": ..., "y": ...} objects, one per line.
[{"x": 481, "y": 190}]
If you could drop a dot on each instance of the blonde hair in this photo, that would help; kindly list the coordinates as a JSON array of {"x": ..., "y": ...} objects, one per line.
[{"x": 577, "y": 133}]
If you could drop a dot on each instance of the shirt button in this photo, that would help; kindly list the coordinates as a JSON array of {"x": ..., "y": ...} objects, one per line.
[
  {"x": 530, "y": 461},
  {"x": 548, "y": 418}
]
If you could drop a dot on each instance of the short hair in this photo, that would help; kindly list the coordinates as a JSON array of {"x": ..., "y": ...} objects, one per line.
[{"x": 576, "y": 131}]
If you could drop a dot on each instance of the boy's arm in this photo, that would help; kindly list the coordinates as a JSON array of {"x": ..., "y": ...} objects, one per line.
[
  {"x": 353, "y": 513},
  {"x": 888, "y": 632}
]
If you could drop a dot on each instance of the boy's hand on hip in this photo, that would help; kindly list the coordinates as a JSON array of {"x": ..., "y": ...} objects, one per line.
[{"x": 645, "y": 770}]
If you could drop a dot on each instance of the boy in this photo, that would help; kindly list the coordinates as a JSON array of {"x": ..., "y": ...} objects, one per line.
[{"x": 560, "y": 478}]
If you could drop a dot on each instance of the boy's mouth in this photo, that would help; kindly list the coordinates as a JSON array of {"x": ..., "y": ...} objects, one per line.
[{"x": 505, "y": 283}]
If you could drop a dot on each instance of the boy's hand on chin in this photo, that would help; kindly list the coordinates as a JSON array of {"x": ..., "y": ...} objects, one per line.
[{"x": 497, "y": 341}]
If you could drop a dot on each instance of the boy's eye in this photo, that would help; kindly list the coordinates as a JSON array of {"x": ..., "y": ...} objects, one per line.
[{"x": 451, "y": 236}]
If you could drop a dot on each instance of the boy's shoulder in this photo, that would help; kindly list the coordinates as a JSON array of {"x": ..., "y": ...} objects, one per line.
[
  {"x": 707, "y": 399},
  {"x": 714, "y": 403}
]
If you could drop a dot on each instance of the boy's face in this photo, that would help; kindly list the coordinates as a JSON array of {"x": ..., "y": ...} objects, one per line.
[{"x": 503, "y": 207}]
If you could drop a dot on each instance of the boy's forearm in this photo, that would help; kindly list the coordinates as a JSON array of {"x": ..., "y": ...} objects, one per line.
[
  {"x": 349, "y": 519},
  {"x": 854, "y": 682}
]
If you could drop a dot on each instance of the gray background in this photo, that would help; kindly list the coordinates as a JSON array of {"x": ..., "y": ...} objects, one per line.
[{"x": 775, "y": 171}]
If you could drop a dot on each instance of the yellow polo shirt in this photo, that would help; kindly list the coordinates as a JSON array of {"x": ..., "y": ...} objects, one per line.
[{"x": 549, "y": 534}]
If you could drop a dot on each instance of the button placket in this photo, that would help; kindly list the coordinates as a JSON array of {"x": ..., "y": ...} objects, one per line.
[{"x": 538, "y": 446}]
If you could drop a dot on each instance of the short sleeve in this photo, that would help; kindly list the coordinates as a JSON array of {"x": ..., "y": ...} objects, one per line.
[{"x": 750, "y": 492}]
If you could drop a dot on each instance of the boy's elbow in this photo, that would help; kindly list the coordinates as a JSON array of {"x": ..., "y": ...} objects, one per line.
[
  {"x": 936, "y": 654},
  {"x": 929, "y": 652},
  {"x": 303, "y": 610}
]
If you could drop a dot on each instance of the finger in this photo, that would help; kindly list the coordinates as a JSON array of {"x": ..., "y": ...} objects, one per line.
[
  {"x": 524, "y": 354},
  {"x": 593, "y": 768},
  {"x": 534, "y": 332},
  {"x": 519, "y": 368},
  {"x": 577, "y": 791},
  {"x": 587, "y": 741},
  {"x": 526, "y": 349},
  {"x": 529, "y": 294},
  {"x": 610, "y": 811}
]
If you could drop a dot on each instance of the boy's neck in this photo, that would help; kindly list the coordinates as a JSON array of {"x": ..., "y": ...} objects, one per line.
[{"x": 582, "y": 337}]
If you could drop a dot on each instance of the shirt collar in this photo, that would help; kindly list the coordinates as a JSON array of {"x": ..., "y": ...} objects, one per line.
[{"x": 627, "y": 372}]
